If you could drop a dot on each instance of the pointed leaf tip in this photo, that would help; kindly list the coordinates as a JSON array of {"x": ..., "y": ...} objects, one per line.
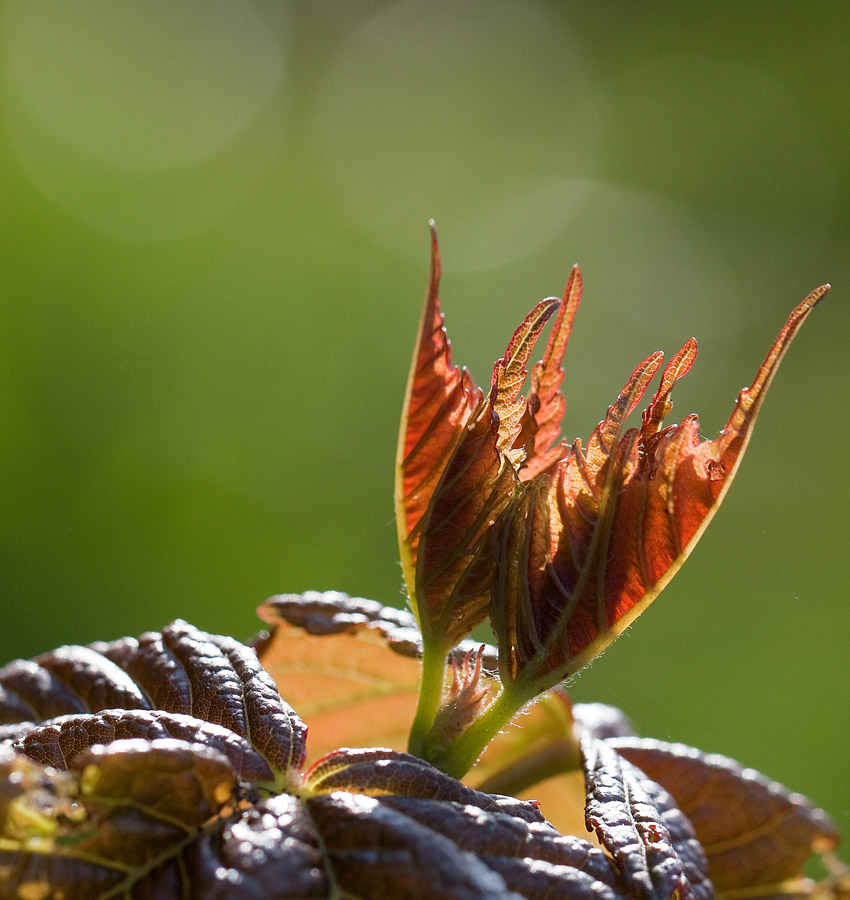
[
  {"x": 438, "y": 403},
  {"x": 661, "y": 404},
  {"x": 509, "y": 373},
  {"x": 546, "y": 400}
]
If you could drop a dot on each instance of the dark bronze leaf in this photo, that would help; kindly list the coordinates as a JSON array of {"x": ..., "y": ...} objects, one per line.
[
  {"x": 137, "y": 804},
  {"x": 179, "y": 670},
  {"x": 58, "y": 741},
  {"x": 380, "y": 772},
  {"x": 651, "y": 841},
  {"x": 379, "y": 853},
  {"x": 533, "y": 858},
  {"x": 171, "y": 802},
  {"x": 165, "y": 818},
  {"x": 756, "y": 834},
  {"x": 64, "y": 681}
]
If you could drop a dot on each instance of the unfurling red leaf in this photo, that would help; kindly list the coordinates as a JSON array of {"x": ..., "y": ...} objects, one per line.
[
  {"x": 586, "y": 546},
  {"x": 457, "y": 455},
  {"x": 438, "y": 403},
  {"x": 756, "y": 834},
  {"x": 546, "y": 401},
  {"x": 570, "y": 544}
]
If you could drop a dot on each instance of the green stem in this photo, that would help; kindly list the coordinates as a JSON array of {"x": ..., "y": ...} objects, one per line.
[
  {"x": 430, "y": 697},
  {"x": 462, "y": 754}
]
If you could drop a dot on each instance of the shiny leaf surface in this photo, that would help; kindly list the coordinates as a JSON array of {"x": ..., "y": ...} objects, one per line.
[
  {"x": 139, "y": 803},
  {"x": 179, "y": 670},
  {"x": 756, "y": 834},
  {"x": 637, "y": 821},
  {"x": 168, "y": 818},
  {"x": 58, "y": 741}
]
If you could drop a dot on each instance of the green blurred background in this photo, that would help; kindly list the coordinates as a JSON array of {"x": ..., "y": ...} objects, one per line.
[{"x": 214, "y": 249}]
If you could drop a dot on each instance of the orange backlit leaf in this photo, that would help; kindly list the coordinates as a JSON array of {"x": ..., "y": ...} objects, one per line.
[
  {"x": 349, "y": 666},
  {"x": 457, "y": 461},
  {"x": 438, "y": 403},
  {"x": 546, "y": 399},
  {"x": 586, "y": 546},
  {"x": 509, "y": 375}
]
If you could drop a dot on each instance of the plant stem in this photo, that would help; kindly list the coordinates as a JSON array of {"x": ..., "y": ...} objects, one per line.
[
  {"x": 430, "y": 697},
  {"x": 462, "y": 754}
]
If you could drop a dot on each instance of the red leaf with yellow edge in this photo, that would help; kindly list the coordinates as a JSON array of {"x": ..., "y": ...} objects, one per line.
[
  {"x": 438, "y": 403},
  {"x": 456, "y": 468},
  {"x": 454, "y": 567},
  {"x": 585, "y": 548}
]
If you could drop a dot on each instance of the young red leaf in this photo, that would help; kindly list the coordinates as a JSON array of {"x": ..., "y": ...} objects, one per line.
[
  {"x": 509, "y": 375},
  {"x": 456, "y": 470},
  {"x": 546, "y": 399},
  {"x": 586, "y": 546},
  {"x": 438, "y": 403}
]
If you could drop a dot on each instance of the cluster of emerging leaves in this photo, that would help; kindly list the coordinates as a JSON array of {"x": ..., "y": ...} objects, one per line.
[
  {"x": 171, "y": 766},
  {"x": 561, "y": 546}
]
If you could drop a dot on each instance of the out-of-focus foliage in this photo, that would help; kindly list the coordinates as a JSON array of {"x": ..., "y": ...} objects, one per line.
[{"x": 213, "y": 240}]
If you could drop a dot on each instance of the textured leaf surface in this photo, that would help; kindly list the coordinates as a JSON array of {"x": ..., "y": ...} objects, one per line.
[
  {"x": 138, "y": 804},
  {"x": 550, "y": 863},
  {"x": 179, "y": 670},
  {"x": 461, "y": 852},
  {"x": 377, "y": 772},
  {"x": 756, "y": 834},
  {"x": 637, "y": 821},
  {"x": 167, "y": 818},
  {"x": 141, "y": 803},
  {"x": 58, "y": 741},
  {"x": 588, "y": 544}
]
